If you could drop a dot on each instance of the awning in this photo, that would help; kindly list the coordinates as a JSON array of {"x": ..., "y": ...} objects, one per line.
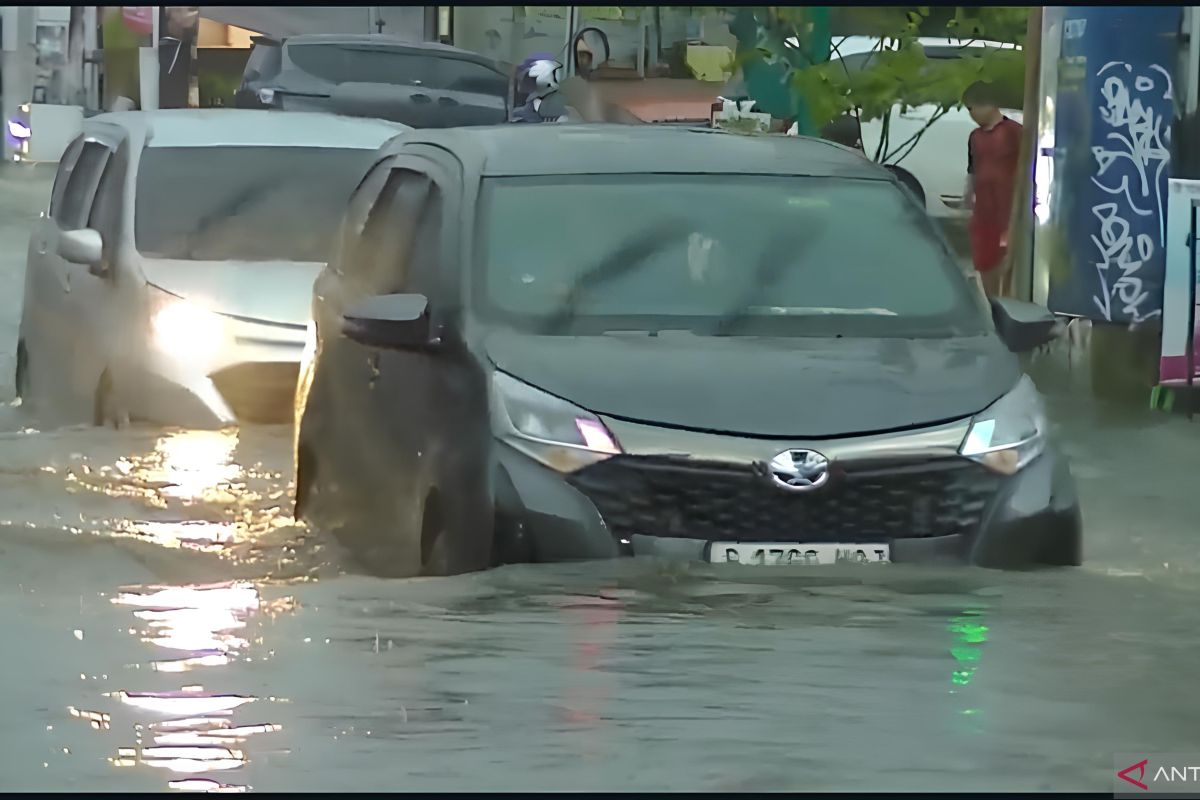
[{"x": 407, "y": 22}]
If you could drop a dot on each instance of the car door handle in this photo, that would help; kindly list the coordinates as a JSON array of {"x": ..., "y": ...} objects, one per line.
[
  {"x": 41, "y": 247},
  {"x": 954, "y": 201},
  {"x": 447, "y": 101},
  {"x": 421, "y": 98}
]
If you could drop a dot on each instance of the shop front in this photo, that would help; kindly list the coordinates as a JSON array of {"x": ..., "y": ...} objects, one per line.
[{"x": 663, "y": 64}]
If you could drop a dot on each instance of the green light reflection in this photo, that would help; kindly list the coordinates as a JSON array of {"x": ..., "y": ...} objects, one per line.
[{"x": 969, "y": 633}]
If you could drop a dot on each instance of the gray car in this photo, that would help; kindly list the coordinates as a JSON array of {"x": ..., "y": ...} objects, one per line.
[
  {"x": 571, "y": 342},
  {"x": 169, "y": 278},
  {"x": 422, "y": 84}
]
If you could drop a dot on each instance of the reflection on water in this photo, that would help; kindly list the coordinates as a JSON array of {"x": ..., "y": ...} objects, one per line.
[
  {"x": 970, "y": 633},
  {"x": 188, "y": 466},
  {"x": 204, "y": 625},
  {"x": 204, "y": 491}
]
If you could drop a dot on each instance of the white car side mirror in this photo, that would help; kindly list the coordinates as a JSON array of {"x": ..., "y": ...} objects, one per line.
[{"x": 84, "y": 246}]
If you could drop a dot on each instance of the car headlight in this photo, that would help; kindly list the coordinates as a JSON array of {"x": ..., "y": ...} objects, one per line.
[
  {"x": 185, "y": 330},
  {"x": 266, "y": 96},
  {"x": 546, "y": 428},
  {"x": 1011, "y": 432}
]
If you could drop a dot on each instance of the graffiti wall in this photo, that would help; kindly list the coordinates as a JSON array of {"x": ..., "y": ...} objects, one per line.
[{"x": 1116, "y": 106}]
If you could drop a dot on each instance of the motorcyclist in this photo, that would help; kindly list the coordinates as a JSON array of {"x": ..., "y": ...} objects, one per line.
[{"x": 537, "y": 82}]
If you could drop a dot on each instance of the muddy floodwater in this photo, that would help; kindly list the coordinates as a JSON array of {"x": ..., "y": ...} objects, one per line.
[{"x": 166, "y": 625}]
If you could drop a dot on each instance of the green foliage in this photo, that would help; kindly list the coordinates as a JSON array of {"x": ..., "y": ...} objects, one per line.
[
  {"x": 897, "y": 73},
  {"x": 217, "y": 89}
]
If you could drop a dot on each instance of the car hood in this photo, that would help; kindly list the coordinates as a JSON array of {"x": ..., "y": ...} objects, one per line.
[
  {"x": 788, "y": 388},
  {"x": 270, "y": 291}
]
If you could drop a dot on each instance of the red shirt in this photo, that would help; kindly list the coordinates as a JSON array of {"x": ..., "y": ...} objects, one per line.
[{"x": 993, "y": 157}]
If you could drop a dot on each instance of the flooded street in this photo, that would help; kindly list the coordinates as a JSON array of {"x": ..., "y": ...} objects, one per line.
[{"x": 168, "y": 625}]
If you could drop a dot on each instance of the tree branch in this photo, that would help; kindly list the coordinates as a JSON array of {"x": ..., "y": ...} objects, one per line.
[
  {"x": 912, "y": 140},
  {"x": 884, "y": 129}
]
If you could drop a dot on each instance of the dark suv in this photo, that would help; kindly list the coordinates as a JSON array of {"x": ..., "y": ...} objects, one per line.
[
  {"x": 421, "y": 84},
  {"x": 583, "y": 341}
]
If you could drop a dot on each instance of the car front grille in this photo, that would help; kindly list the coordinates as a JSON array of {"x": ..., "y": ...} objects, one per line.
[
  {"x": 861, "y": 502},
  {"x": 259, "y": 392}
]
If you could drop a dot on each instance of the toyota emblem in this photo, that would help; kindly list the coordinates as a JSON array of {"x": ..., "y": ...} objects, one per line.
[{"x": 799, "y": 470}]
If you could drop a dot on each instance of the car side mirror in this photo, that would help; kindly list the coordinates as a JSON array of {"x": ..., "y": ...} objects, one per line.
[
  {"x": 84, "y": 246},
  {"x": 1024, "y": 326},
  {"x": 391, "y": 321}
]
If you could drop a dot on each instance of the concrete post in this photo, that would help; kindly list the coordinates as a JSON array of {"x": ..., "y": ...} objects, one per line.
[{"x": 19, "y": 65}]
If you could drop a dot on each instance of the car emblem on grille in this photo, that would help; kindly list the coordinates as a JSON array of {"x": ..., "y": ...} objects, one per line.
[{"x": 799, "y": 470}]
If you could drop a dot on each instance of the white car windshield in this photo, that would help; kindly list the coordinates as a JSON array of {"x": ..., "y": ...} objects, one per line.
[
  {"x": 243, "y": 203},
  {"x": 735, "y": 255}
]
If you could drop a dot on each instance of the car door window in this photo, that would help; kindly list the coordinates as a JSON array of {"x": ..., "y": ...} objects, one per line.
[
  {"x": 358, "y": 208},
  {"x": 107, "y": 210},
  {"x": 425, "y": 257},
  {"x": 66, "y": 165},
  {"x": 385, "y": 250},
  {"x": 81, "y": 185}
]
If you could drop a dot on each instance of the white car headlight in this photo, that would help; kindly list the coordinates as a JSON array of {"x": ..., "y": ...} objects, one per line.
[
  {"x": 546, "y": 428},
  {"x": 1011, "y": 432},
  {"x": 185, "y": 330},
  {"x": 266, "y": 96}
]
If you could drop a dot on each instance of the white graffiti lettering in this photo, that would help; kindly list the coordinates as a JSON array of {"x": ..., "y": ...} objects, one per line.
[
  {"x": 1130, "y": 166},
  {"x": 1117, "y": 249}
]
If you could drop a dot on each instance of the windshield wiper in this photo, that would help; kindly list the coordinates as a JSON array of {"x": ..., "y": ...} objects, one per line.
[
  {"x": 776, "y": 258},
  {"x": 224, "y": 212},
  {"x": 624, "y": 259}
]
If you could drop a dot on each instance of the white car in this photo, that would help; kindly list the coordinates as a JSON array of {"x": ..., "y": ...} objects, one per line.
[
  {"x": 938, "y": 161},
  {"x": 171, "y": 278}
]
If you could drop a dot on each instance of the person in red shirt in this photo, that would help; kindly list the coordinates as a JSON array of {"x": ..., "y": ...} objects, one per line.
[{"x": 993, "y": 157}]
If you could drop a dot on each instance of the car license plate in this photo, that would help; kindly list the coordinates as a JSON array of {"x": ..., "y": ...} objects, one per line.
[{"x": 791, "y": 553}]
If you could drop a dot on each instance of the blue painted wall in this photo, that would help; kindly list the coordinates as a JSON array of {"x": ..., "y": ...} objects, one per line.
[{"x": 1114, "y": 109}]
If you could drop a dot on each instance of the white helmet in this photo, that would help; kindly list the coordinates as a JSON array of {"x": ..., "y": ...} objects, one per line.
[{"x": 545, "y": 76}]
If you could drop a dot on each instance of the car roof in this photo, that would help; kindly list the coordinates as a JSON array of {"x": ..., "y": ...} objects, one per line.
[
  {"x": 230, "y": 127},
  {"x": 374, "y": 39},
  {"x": 854, "y": 45},
  {"x": 573, "y": 149}
]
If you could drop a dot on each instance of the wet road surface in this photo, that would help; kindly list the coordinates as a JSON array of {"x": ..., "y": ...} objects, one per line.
[{"x": 167, "y": 625}]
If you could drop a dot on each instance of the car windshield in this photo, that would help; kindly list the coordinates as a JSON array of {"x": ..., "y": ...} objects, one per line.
[
  {"x": 374, "y": 64},
  {"x": 243, "y": 203},
  {"x": 717, "y": 254}
]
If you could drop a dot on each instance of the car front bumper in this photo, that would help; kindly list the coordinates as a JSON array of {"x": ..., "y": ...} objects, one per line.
[
  {"x": 972, "y": 517},
  {"x": 251, "y": 377}
]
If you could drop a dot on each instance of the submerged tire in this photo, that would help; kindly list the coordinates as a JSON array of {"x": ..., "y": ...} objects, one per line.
[{"x": 105, "y": 411}]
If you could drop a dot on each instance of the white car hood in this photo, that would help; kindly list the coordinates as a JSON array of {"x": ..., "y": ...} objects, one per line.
[{"x": 270, "y": 291}]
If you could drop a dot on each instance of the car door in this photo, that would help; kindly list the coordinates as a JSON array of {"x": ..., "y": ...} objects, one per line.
[
  {"x": 371, "y": 261},
  {"x": 43, "y": 292},
  {"x": 428, "y": 407},
  {"x": 382, "y": 268},
  {"x": 109, "y": 300},
  {"x": 322, "y": 388},
  {"x": 69, "y": 307}
]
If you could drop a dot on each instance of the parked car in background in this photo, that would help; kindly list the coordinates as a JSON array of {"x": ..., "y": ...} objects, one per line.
[
  {"x": 553, "y": 342},
  {"x": 938, "y": 162},
  {"x": 421, "y": 84},
  {"x": 170, "y": 279}
]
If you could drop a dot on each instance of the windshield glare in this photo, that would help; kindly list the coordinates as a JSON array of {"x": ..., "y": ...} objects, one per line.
[
  {"x": 243, "y": 203},
  {"x": 717, "y": 254}
]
